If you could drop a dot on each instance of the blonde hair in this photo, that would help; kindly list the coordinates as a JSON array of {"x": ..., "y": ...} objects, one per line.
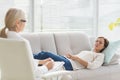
[{"x": 12, "y": 15}]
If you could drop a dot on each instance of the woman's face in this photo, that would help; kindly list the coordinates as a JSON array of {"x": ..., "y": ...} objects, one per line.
[
  {"x": 21, "y": 25},
  {"x": 23, "y": 22},
  {"x": 99, "y": 44}
]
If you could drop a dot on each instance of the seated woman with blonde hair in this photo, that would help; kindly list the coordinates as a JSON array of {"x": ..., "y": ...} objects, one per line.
[
  {"x": 85, "y": 59},
  {"x": 14, "y": 23}
]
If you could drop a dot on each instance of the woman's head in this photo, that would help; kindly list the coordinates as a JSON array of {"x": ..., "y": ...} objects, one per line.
[
  {"x": 14, "y": 21},
  {"x": 100, "y": 44}
]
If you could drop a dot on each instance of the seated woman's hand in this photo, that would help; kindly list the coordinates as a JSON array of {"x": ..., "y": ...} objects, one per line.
[
  {"x": 45, "y": 61},
  {"x": 49, "y": 64}
]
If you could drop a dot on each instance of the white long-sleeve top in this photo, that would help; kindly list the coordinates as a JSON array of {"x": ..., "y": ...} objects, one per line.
[
  {"x": 14, "y": 35},
  {"x": 95, "y": 60}
]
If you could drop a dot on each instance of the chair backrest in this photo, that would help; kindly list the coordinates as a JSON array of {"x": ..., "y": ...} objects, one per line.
[{"x": 16, "y": 60}]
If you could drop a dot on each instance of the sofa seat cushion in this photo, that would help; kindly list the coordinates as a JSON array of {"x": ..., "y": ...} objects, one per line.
[{"x": 103, "y": 73}]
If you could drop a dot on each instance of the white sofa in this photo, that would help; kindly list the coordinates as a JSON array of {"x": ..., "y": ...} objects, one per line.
[{"x": 71, "y": 42}]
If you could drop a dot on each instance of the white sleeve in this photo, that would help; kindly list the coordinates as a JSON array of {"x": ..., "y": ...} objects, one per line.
[
  {"x": 97, "y": 62},
  {"x": 40, "y": 69},
  {"x": 36, "y": 63}
]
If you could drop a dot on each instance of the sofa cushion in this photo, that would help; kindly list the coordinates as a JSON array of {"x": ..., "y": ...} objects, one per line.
[
  {"x": 62, "y": 43},
  {"x": 34, "y": 40},
  {"x": 71, "y": 42},
  {"x": 79, "y": 42},
  {"x": 47, "y": 42},
  {"x": 41, "y": 41},
  {"x": 111, "y": 72}
]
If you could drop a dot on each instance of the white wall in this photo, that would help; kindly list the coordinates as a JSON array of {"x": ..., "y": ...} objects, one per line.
[
  {"x": 109, "y": 12},
  {"x": 111, "y": 35},
  {"x": 4, "y": 6}
]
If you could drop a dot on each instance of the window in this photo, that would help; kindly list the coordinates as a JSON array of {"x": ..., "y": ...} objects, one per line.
[
  {"x": 59, "y": 15},
  {"x": 64, "y": 15}
]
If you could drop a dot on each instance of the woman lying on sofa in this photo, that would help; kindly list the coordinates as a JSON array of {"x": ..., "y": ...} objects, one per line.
[
  {"x": 15, "y": 22},
  {"x": 85, "y": 59}
]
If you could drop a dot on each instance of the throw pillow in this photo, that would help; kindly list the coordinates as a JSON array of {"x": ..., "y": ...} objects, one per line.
[
  {"x": 110, "y": 51},
  {"x": 115, "y": 60}
]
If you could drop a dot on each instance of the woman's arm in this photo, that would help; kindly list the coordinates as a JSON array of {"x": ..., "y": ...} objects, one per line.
[
  {"x": 76, "y": 58},
  {"x": 97, "y": 62}
]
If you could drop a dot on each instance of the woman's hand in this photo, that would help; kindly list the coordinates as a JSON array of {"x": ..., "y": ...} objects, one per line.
[
  {"x": 70, "y": 56},
  {"x": 76, "y": 58}
]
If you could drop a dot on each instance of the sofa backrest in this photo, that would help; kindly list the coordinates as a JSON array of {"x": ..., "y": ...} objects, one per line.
[
  {"x": 43, "y": 41},
  {"x": 58, "y": 42},
  {"x": 71, "y": 42}
]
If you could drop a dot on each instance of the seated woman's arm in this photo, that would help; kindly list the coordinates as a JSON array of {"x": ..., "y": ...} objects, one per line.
[{"x": 47, "y": 65}]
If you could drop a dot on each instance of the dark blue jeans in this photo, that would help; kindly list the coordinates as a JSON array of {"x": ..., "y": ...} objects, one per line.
[{"x": 43, "y": 55}]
